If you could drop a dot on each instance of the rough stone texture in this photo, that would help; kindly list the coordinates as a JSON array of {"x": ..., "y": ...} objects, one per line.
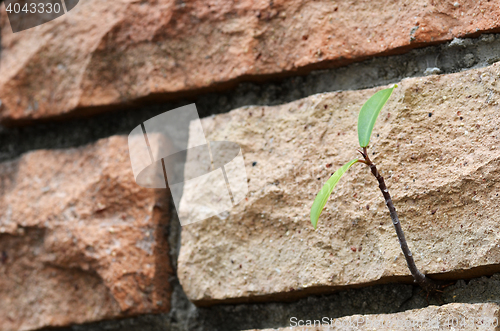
[
  {"x": 104, "y": 53},
  {"x": 79, "y": 240},
  {"x": 448, "y": 57},
  {"x": 379, "y": 299},
  {"x": 455, "y": 316},
  {"x": 435, "y": 142}
]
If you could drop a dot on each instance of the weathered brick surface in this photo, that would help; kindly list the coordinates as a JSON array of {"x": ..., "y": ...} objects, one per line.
[
  {"x": 454, "y": 316},
  {"x": 437, "y": 144},
  {"x": 112, "y": 52},
  {"x": 79, "y": 240}
]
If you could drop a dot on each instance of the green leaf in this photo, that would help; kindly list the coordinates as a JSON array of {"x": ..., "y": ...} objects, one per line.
[
  {"x": 369, "y": 113},
  {"x": 326, "y": 191}
]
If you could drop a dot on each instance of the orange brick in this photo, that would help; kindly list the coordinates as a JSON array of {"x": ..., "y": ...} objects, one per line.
[
  {"x": 108, "y": 53},
  {"x": 79, "y": 240}
]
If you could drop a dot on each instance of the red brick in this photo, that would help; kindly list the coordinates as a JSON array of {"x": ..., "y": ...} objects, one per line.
[
  {"x": 79, "y": 240},
  {"x": 114, "y": 52}
]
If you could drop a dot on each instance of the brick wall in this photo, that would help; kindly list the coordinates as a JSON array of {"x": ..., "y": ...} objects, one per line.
[{"x": 83, "y": 247}]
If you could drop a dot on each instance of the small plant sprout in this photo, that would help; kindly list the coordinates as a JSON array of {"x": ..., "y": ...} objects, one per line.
[{"x": 366, "y": 121}]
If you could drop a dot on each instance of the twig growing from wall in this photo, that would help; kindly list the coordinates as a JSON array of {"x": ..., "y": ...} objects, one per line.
[{"x": 366, "y": 121}]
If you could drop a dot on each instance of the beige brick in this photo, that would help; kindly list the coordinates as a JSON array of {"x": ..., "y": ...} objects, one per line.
[
  {"x": 453, "y": 316},
  {"x": 79, "y": 240},
  {"x": 437, "y": 144},
  {"x": 105, "y": 53}
]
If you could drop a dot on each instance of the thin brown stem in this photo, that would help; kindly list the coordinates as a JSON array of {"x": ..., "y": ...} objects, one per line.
[{"x": 425, "y": 282}]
